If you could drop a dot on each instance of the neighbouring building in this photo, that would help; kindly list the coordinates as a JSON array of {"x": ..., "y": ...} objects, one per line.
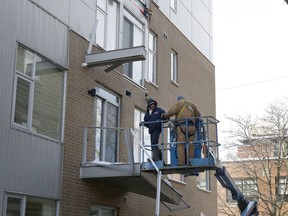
[
  {"x": 260, "y": 174},
  {"x": 71, "y": 66}
]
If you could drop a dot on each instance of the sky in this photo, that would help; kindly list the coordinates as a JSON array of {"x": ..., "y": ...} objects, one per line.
[{"x": 250, "y": 56}]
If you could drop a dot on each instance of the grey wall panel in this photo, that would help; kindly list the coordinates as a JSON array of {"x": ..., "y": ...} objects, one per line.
[
  {"x": 58, "y": 8},
  {"x": 31, "y": 165},
  {"x": 43, "y": 33},
  {"x": 28, "y": 164}
]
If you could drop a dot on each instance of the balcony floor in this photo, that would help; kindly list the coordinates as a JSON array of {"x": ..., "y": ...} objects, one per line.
[{"x": 121, "y": 177}]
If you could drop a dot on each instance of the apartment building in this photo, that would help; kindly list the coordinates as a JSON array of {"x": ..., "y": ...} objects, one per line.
[
  {"x": 261, "y": 175},
  {"x": 69, "y": 67}
]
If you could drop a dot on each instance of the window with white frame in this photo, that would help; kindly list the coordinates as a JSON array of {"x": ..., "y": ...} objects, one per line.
[
  {"x": 38, "y": 95},
  {"x": 133, "y": 36},
  {"x": 107, "y": 26},
  {"x": 151, "y": 76},
  {"x": 248, "y": 187},
  {"x": 102, "y": 211},
  {"x": 204, "y": 181},
  {"x": 173, "y": 5},
  {"x": 15, "y": 204},
  {"x": 282, "y": 187},
  {"x": 138, "y": 118},
  {"x": 177, "y": 177},
  {"x": 171, "y": 154},
  {"x": 174, "y": 66},
  {"x": 106, "y": 115}
]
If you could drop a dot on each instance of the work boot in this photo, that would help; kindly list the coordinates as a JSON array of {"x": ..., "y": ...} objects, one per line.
[{"x": 156, "y": 154}]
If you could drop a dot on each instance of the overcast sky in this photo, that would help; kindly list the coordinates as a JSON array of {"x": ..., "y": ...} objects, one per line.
[{"x": 250, "y": 56}]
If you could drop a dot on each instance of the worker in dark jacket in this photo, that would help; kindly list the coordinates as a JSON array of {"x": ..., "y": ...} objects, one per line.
[
  {"x": 152, "y": 115},
  {"x": 185, "y": 113}
]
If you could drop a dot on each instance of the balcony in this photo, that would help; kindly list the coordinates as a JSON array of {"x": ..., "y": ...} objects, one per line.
[{"x": 118, "y": 157}]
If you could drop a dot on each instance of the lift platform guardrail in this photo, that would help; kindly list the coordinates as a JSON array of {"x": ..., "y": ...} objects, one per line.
[{"x": 206, "y": 154}]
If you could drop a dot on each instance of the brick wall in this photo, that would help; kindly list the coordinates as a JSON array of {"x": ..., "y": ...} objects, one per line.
[
  {"x": 196, "y": 82},
  {"x": 248, "y": 170}
]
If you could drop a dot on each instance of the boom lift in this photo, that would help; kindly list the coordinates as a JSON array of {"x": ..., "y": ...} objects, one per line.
[
  {"x": 246, "y": 207},
  {"x": 204, "y": 159}
]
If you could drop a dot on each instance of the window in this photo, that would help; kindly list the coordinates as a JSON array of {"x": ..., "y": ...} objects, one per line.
[
  {"x": 106, "y": 115},
  {"x": 203, "y": 181},
  {"x": 247, "y": 186},
  {"x": 172, "y": 154},
  {"x": 106, "y": 32},
  {"x": 139, "y": 117},
  {"x": 173, "y": 5},
  {"x": 177, "y": 177},
  {"x": 174, "y": 66},
  {"x": 29, "y": 205},
  {"x": 282, "y": 188},
  {"x": 38, "y": 97},
  {"x": 102, "y": 211},
  {"x": 133, "y": 33},
  {"x": 151, "y": 76}
]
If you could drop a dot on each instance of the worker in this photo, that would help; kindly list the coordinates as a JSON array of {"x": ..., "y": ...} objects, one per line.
[
  {"x": 153, "y": 122},
  {"x": 185, "y": 111}
]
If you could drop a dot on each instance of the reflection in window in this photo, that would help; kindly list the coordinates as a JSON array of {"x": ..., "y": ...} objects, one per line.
[
  {"x": 33, "y": 206},
  {"x": 139, "y": 117},
  {"x": 203, "y": 180},
  {"x": 39, "y": 94},
  {"x": 106, "y": 32},
  {"x": 22, "y": 102},
  {"x": 247, "y": 186},
  {"x": 106, "y": 115},
  {"x": 174, "y": 66},
  {"x": 38, "y": 207},
  {"x": 283, "y": 188},
  {"x": 152, "y": 58},
  {"x": 102, "y": 211},
  {"x": 133, "y": 34},
  {"x": 171, "y": 155},
  {"x": 173, "y": 5},
  {"x": 13, "y": 206}
]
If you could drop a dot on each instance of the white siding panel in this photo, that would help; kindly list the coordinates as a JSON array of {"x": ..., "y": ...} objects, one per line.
[
  {"x": 201, "y": 39},
  {"x": 201, "y": 14},
  {"x": 191, "y": 16},
  {"x": 208, "y": 4},
  {"x": 183, "y": 19},
  {"x": 82, "y": 18},
  {"x": 187, "y": 4}
]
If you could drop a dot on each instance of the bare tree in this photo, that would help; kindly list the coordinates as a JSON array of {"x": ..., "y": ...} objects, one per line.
[{"x": 261, "y": 155}]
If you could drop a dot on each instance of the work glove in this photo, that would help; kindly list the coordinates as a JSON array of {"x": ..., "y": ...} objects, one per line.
[
  {"x": 163, "y": 116},
  {"x": 148, "y": 109}
]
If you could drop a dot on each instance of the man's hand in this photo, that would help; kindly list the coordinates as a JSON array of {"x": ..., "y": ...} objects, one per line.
[
  {"x": 148, "y": 109},
  {"x": 163, "y": 116}
]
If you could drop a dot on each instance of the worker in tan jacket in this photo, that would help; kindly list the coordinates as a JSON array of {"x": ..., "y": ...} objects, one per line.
[{"x": 182, "y": 110}]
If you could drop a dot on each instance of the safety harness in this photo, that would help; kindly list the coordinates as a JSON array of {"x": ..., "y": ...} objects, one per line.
[{"x": 189, "y": 122}]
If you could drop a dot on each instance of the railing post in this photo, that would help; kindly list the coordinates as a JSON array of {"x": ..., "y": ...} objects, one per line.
[
  {"x": 84, "y": 150},
  {"x": 130, "y": 148},
  {"x": 217, "y": 149},
  {"x": 157, "y": 210}
]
